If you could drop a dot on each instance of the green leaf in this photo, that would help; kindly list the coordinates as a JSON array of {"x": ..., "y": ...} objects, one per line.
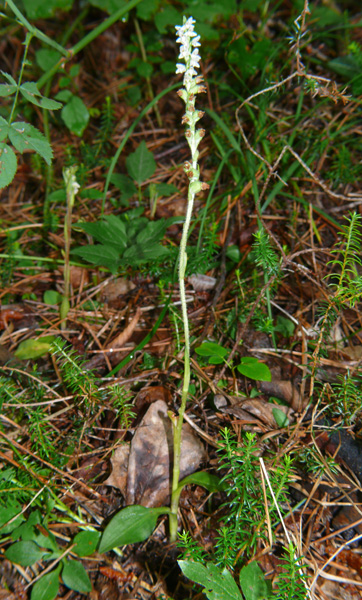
[
  {"x": 347, "y": 66},
  {"x": 207, "y": 480},
  {"x": 140, "y": 164},
  {"x": 46, "y": 58},
  {"x": 107, "y": 232},
  {"x": 219, "y": 585},
  {"x": 4, "y": 129},
  {"x": 52, "y": 297},
  {"x": 7, "y": 90},
  {"x": 86, "y": 542},
  {"x": 34, "y": 348},
  {"x": 144, "y": 69},
  {"x": 284, "y": 326},
  {"x": 100, "y": 255},
  {"x": 233, "y": 253},
  {"x": 211, "y": 349},
  {"x": 25, "y": 531},
  {"x": 252, "y": 368},
  {"x": 130, "y": 525},
  {"x": 7, "y": 513},
  {"x": 47, "y": 587},
  {"x": 76, "y": 577},
  {"x": 138, "y": 254},
  {"x": 253, "y": 583},
  {"x": 24, "y": 553},
  {"x": 27, "y": 137},
  {"x": 38, "y": 9},
  {"x": 75, "y": 115},
  {"x": 31, "y": 93},
  {"x": 280, "y": 417},
  {"x": 168, "y": 17},
  {"x": 8, "y": 165},
  {"x": 125, "y": 185},
  {"x": 153, "y": 232}
]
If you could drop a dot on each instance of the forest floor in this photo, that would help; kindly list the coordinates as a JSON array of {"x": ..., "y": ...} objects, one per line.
[{"x": 87, "y": 380}]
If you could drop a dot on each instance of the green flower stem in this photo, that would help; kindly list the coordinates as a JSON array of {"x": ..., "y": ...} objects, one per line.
[{"x": 192, "y": 85}]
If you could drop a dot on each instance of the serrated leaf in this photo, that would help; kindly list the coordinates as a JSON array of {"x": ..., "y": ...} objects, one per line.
[
  {"x": 24, "y": 553},
  {"x": 31, "y": 93},
  {"x": 34, "y": 348},
  {"x": 76, "y": 577},
  {"x": 8, "y": 165},
  {"x": 7, "y": 90},
  {"x": 253, "y": 583},
  {"x": 254, "y": 369},
  {"x": 130, "y": 525},
  {"x": 100, "y": 255},
  {"x": 27, "y": 137},
  {"x": 107, "y": 232},
  {"x": 219, "y": 585},
  {"x": 140, "y": 164},
  {"x": 86, "y": 542},
  {"x": 152, "y": 233},
  {"x": 138, "y": 254},
  {"x": 10, "y": 79},
  {"x": 125, "y": 185},
  {"x": 38, "y": 9},
  {"x": 4, "y": 129},
  {"x": 75, "y": 115},
  {"x": 47, "y": 587}
]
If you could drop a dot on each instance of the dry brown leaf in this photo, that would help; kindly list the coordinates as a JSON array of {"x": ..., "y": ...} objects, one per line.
[
  {"x": 126, "y": 334},
  {"x": 115, "y": 289},
  {"x": 254, "y": 411},
  {"x": 148, "y": 468},
  {"x": 284, "y": 390}
]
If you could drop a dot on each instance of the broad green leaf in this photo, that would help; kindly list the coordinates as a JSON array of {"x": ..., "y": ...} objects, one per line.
[
  {"x": 100, "y": 255},
  {"x": 47, "y": 587},
  {"x": 165, "y": 189},
  {"x": 86, "y": 542},
  {"x": 31, "y": 93},
  {"x": 52, "y": 297},
  {"x": 125, "y": 185},
  {"x": 284, "y": 326},
  {"x": 7, "y": 90},
  {"x": 26, "y": 137},
  {"x": 46, "y": 58},
  {"x": 252, "y": 368},
  {"x": 8, "y": 165},
  {"x": 207, "y": 480},
  {"x": 280, "y": 417},
  {"x": 347, "y": 66},
  {"x": 138, "y": 254},
  {"x": 152, "y": 233},
  {"x": 105, "y": 233},
  {"x": 24, "y": 553},
  {"x": 146, "y": 9},
  {"x": 7, "y": 513},
  {"x": 38, "y": 9},
  {"x": 34, "y": 348},
  {"x": 75, "y": 115},
  {"x": 76, "y": 577},
  {"x": 144, "y": 69},
  {"x": 253, "y": 583},
  {"x": 140, "y": 164},
  {"x": 168, "y": 17},
  {"x": 233, "y": 253},
  {"x": 130, "y": 525},
  {"x": 219, "y": 585},
  {"x": 108, "y": 5},
  {"x": 211, "y": 349},
  {"x": 26, "y": 530}
]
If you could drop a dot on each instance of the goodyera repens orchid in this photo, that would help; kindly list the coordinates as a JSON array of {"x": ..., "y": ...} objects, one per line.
[
  {"x": 192, "y": 85},
  {"x": 189, "y": 53}
]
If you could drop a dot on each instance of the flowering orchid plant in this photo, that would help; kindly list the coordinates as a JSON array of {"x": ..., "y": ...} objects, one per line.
[{"x": 192, "y": 85}]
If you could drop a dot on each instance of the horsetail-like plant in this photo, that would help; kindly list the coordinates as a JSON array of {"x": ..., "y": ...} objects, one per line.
[{"x": 192, "y": 85}]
